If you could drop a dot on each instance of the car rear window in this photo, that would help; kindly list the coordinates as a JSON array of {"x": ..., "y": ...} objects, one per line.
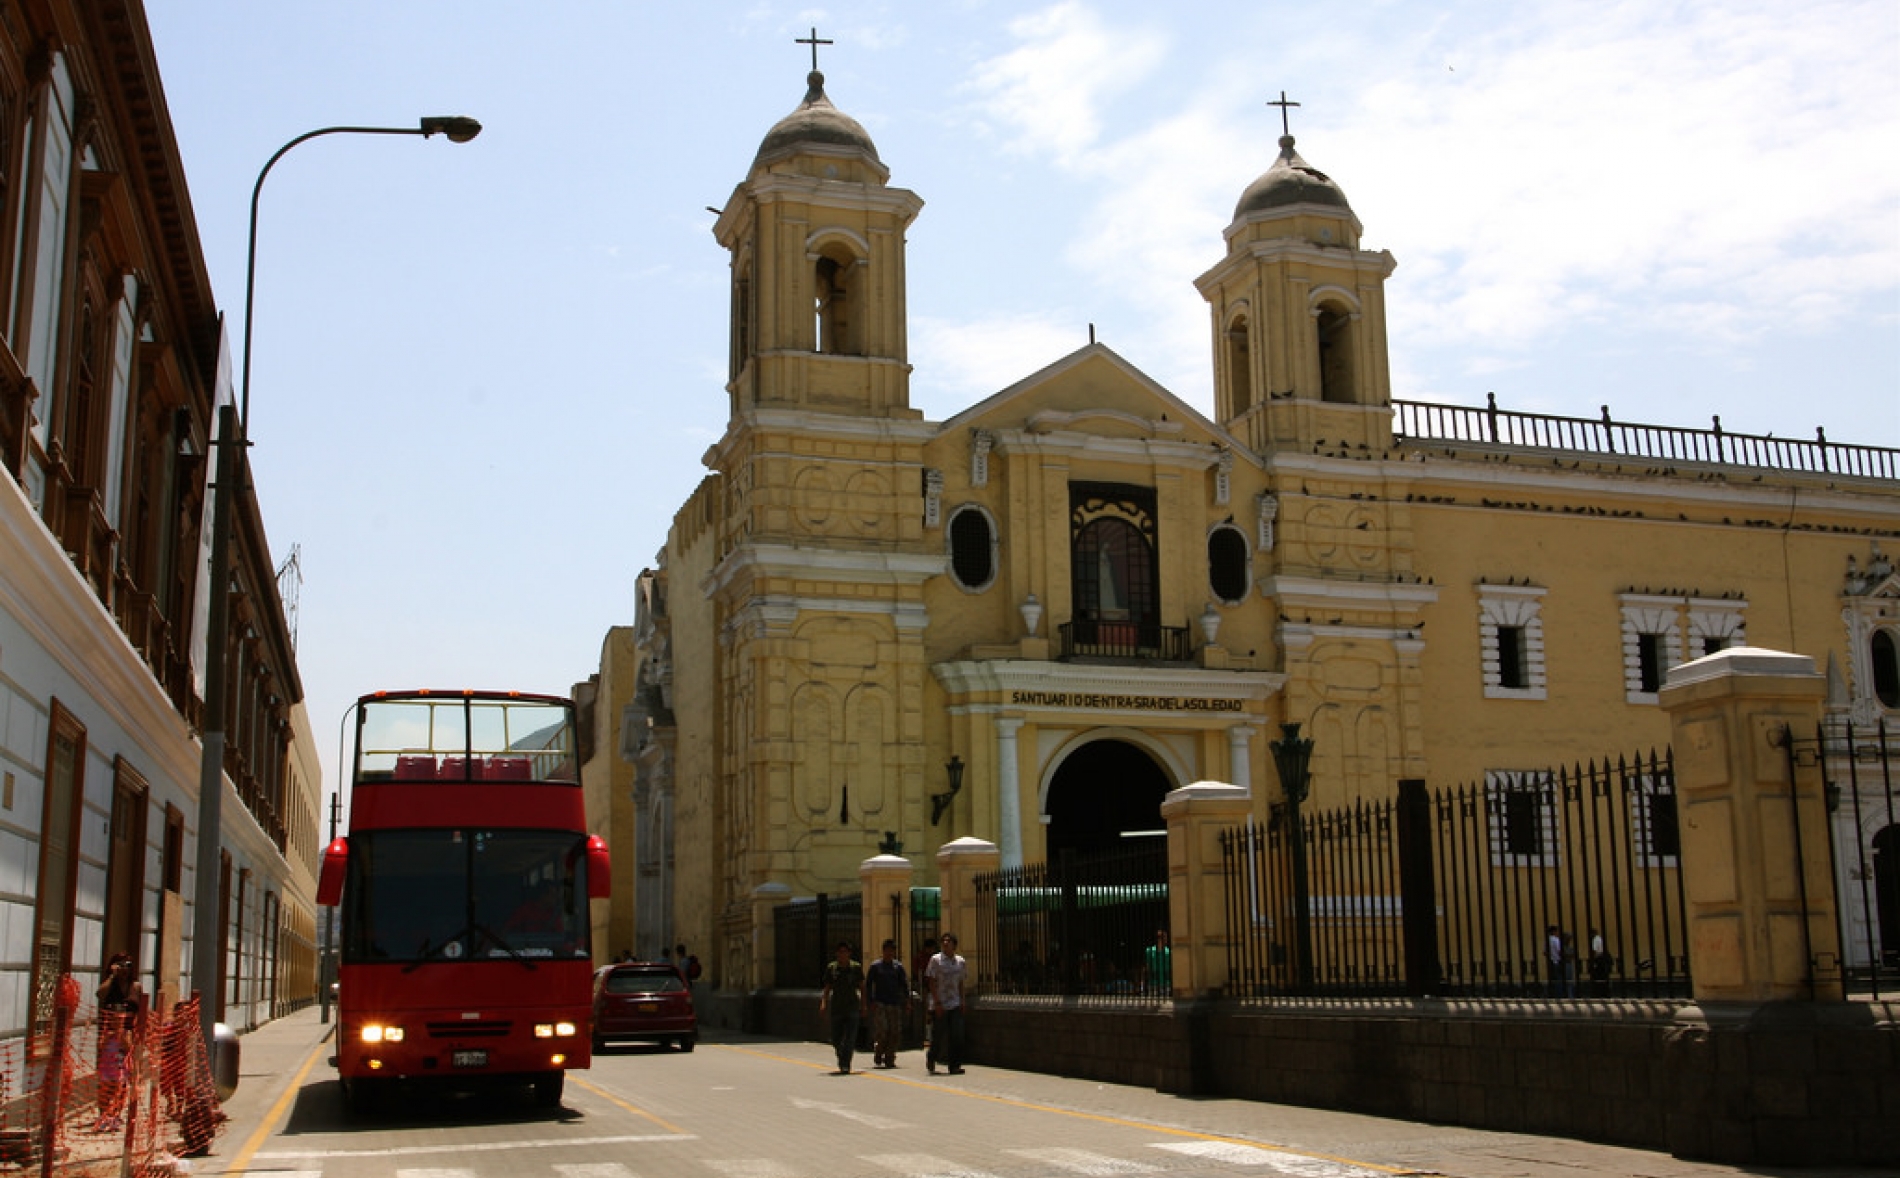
[{"x": 643, "y": 983}]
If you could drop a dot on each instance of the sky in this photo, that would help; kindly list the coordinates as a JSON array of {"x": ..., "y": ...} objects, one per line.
[{"x": 485, "y": 374}]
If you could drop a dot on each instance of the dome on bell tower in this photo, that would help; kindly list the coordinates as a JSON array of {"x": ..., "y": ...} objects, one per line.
[
  {"x": 818, "y": 127},
  {"x": 1290, "y": 181}
]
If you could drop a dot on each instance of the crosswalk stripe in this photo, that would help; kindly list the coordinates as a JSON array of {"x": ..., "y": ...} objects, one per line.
[
  {"x": 753, "y": 1168},
  {"x": 922, "y": 1165},
  {"x": 445, "y": 1172},
  {"x": 594, "y": 1170},
  {"x": 1082, "y": 1161},
  {"x": 471, "y": 1147},
  {"x": 1236, "y": 1154}
]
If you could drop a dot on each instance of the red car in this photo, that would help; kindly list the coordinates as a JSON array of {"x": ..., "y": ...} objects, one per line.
[{"x": 646, "y": 1001}]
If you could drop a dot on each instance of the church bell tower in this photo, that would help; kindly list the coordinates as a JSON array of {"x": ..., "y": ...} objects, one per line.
[
  {"x": 817, "y": 241},
  {"x": 1299, "y": 316}
]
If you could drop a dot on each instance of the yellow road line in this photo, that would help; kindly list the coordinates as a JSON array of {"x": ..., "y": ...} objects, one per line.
[
  {"x": 1099, "y": 1118},
  {"x": 242, "y": 1162},
  {"x": 597, "y": 1090}
]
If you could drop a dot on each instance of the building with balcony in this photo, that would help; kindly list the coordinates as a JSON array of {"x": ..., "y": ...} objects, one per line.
[{"x": 113, "y": 363}]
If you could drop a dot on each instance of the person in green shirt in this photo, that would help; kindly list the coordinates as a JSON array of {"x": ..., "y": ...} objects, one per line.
[
  {"x": 1158, "y": 966},
  {"x": 844, "y": 999}
]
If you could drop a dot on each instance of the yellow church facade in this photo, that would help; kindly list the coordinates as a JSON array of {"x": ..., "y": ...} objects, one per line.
[{"x": 1030, "y": 622}]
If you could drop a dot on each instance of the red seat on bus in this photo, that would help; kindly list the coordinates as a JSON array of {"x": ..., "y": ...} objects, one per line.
[
  {"x": 462, "y": 768},
  {"x": 510, "y": 769},
  {"x": 415, "y": 767}
]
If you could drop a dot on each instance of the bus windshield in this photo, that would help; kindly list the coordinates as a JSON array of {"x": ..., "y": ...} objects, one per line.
[
  {"x": 462, "y": 738},
  {"x": 459, "y": 894}
]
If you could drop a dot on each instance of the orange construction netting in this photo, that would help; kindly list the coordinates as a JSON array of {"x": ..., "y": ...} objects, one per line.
[{"x": 101, "y": 1089}]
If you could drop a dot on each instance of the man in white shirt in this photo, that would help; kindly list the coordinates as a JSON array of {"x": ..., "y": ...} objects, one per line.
[{"x": 945, "y": 975}]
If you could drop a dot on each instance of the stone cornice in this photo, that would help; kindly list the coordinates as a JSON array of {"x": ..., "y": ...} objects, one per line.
[
  {"x": 984, "y": 677},
  {"x": 857, "y": 567},
  {"x": 1328, "y": 593}
]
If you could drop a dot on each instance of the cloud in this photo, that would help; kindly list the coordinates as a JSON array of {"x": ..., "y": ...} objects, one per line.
[
  {"x": 1051, "y": 88},
  {"x": 1727, "y": 166},
  {"x": 961, "y": 361}
]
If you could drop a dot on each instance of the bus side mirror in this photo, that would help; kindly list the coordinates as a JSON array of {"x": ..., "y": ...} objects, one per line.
[
  {"x": 600, "y": 878},
  {"x": 336, "y": 857}
]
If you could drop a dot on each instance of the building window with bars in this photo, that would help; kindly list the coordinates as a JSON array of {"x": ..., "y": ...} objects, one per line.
[{"x": 1522, "y": 815}]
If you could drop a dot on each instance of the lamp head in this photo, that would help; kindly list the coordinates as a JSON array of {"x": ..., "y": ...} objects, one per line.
[{"x": 459, "y": 128}]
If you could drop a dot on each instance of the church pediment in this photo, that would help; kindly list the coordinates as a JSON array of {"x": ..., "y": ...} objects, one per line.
[{"x": 1094, "y": 392}]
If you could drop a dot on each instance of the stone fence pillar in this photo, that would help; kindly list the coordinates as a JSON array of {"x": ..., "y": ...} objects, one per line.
[
  {"x": 885, "y": 881},
  {"x": 765, "y": 898},
  {"x": 1196, "y": 815},
  {"x": 959, "y": 862},
  {"x": 1762, "y": 919}
]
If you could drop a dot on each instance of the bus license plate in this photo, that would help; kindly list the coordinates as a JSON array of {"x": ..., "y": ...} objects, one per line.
[{"x": 469, "y": 1059}]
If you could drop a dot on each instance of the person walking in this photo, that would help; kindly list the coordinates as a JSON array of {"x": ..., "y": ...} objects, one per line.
[
  {"x": 888, "y": 989},
  {"x": 946, "y": 973},
  {"x": 844, "y": 998}
]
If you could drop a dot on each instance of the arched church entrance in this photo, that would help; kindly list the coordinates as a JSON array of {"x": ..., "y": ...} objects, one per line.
[{"x": 1105, "y": 796}]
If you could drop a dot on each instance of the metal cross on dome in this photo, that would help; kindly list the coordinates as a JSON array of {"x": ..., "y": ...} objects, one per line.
[
  {"x": 815, "y": 41},
  {"x": 1283, "y": 102}
]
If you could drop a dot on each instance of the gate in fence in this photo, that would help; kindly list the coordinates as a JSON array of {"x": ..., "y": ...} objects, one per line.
[
  {"x": 1863, "y": 801},
  {"x": 805, "y": 933},
  {"x": 1079, "y": 925},
  {"x": 1559, "y": 883}
]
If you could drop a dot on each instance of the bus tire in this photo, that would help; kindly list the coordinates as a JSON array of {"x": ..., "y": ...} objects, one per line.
[
  {"x": 359, "y": 1096},
  {"x": 547, "y": 1089},
  {"x": 686, "y": 1042}
]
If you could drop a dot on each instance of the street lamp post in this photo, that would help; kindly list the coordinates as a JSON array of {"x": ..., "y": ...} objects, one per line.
[
  {"x": 231, "y": 442},
  {"x": 1293, "y": 757}
]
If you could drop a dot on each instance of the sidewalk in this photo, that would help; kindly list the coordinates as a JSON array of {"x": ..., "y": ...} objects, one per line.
[{"x": 273, "y": 1061}]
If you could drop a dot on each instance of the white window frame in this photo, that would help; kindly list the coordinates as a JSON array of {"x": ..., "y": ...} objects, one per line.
[
  {"x": 1520, "y": 606},
  {"x": 1641, "y": 792},
  {"x": 1716, "y": 619},
  {"x": 1500, "y": 782},
  {"x": 1644, "y": 614}
]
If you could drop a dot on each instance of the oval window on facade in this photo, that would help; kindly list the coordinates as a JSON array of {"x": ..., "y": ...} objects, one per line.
[
  {"x": 1886, "y": 659},
  {"x": 972, "y": 548},
  {"x": 1227, "y": 564}
]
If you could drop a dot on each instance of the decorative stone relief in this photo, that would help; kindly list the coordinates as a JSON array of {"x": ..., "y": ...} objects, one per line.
[
  {"x": 981, "y": 441},
  {"x": 933, "y": 497}
]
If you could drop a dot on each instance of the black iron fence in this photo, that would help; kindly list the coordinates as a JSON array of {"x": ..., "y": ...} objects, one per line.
[
  {"x": 1081, "y": 925},
  {"x": 805, "y": 934},
  {"x": 1423, "y": 421},
  {"x": 1556, "y": 883},
  {"x": 1863, "y": 801}
]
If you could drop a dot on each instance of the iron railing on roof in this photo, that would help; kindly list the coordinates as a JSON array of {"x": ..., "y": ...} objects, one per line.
[{"x": 1424, "y": 421}]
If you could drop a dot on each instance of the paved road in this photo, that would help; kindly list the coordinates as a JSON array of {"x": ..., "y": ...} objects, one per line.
[{"x": 743, "y": 1107}]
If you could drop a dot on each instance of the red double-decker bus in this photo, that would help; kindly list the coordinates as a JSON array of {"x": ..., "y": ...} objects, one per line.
[{"x": 463, "y": 883}]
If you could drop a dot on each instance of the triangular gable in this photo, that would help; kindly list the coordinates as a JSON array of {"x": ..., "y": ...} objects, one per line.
[{"x": 1094, "y": 390}]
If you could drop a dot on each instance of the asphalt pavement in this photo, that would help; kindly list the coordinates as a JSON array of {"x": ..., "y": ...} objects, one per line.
[{"x": 282, "y": 1056}]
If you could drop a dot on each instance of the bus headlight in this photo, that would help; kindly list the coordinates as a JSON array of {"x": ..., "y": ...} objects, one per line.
[
  {"x": 378, "y": 1033},
  {"x": 561, "y": 1030}
]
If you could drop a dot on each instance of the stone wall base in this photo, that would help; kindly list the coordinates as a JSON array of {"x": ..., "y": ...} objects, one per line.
[{"x": 1783, "y": 1084}]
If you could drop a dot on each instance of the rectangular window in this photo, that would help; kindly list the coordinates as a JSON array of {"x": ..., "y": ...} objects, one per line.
[
  {"x": 1710, "y": 643},
  {"x": 1513, "y": 658},
  {"x": 1652, "y": 657},
  {"x": 1522, "y": 818},
  {"x": 1656, "y": 829}
]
